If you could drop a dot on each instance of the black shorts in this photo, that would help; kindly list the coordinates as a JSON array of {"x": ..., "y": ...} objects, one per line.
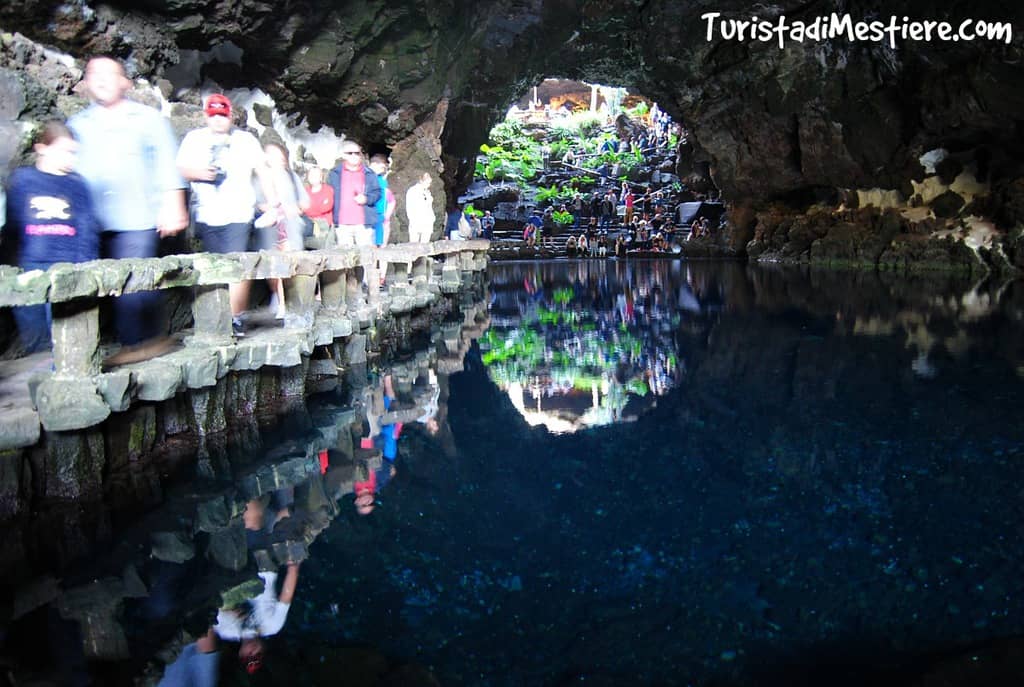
[{"x": 229, "y": 238}]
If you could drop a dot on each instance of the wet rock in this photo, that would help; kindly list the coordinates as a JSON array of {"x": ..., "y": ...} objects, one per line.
[
  {"x": 263, "y": 114},
  {"x": 133, "y": 436},
  {"x": 947, "y": 204},
  {"x": 19, "y": 427},
  {"x": 65, "y": 406},
  {"x": 913, "y": 252},
  {"x": 355, "y": 349},
  {"x": 948, "y": 169},
  {"x": 12, "y": 488},
  {"x": 285, "y": 474},
  {"x": 115, "y": 389},
  {"x": 33, "y": 595},
  {"x": 228, "y": 548},
  {"x": 157, "y": 380},
  {"x": 95, "y": 607},
  {"x": 173, "y": 547}
]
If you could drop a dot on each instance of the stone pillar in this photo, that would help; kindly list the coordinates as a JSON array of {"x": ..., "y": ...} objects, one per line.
[
  {"x": 354, "y": 289},
  {"x": 480, "y": 260},
  {"x": 451, "y": 280},
  {"x": 76, "y": 337},
  {"x": 300, "y": 300},
  {"x": 422, "y": 268},
  {"x": 372, "y": 282},
  {"x": 211, "y": 311},
  {"x": 394, "y": 275},
  {"x": 332, "y": 292}
]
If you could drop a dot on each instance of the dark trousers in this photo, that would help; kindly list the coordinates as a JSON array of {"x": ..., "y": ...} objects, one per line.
[
  {"x": 34, "y": 320},
  {"x": 137, "y": 316}
]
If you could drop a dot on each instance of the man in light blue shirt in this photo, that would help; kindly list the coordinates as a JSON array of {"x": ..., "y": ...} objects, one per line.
[{"x": 127, "y": 156}]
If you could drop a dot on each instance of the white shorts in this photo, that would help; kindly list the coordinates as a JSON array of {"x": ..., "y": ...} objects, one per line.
[{"x": 357, "y": 235}]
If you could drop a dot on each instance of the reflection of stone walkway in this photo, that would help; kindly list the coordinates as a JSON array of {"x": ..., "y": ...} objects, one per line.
[{"x": 199, "y": 534}]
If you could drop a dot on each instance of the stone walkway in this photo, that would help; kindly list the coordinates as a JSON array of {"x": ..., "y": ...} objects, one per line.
[{"x": 19, "y": 422}]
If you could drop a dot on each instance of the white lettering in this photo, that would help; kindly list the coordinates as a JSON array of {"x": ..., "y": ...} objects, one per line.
[
  {"x": 710, "y": 17},
  {"x": 825, "y": 28}
]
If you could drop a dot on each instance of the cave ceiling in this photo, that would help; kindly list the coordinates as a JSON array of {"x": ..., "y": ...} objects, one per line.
[{"x": 767, "y": 120}]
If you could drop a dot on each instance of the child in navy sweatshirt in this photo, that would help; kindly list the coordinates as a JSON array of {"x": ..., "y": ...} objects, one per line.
[{"x": 50, "y": 219}]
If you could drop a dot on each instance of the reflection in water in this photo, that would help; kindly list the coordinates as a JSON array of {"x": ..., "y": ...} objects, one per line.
[
  {"x": 826, "y": 491},
  {"x": 577, "y": 349},
  {"x": 199, "y": 591}
]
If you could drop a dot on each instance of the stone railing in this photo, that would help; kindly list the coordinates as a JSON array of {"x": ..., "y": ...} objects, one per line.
[{"x": 79, "y": 394}]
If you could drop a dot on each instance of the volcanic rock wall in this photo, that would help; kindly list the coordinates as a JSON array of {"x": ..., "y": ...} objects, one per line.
[{"x": 814, "y": 123}]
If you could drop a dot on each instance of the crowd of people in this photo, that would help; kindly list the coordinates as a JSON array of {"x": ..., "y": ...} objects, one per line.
[
  {"x": 641, "y": 216},
  {"x": 111, "y": 182}
]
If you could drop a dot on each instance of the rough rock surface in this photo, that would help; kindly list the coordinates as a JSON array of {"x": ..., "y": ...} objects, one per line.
[{"x": 817, "y": 117}]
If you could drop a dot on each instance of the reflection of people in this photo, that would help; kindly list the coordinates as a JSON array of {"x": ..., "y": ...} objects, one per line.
[
  {"x": 196, "y": 666},
  {"x": 429, "y": 416},
  {"x": 379, "y": 436},
  {"x": 261, "y": 616}
]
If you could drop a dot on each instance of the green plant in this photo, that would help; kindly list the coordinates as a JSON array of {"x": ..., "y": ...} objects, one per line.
[
  {"x": 507, "y": 132},
  {"x": 590, "y": 127},
  {"x": 559, "y": 148},
  {"x": 547, "y": 195},
  {"x": 563, "y": 296},
  {"x": 472, "y": 211},
  {"x": 562, "y": 218},
  {"x": 640, "y": 110}
]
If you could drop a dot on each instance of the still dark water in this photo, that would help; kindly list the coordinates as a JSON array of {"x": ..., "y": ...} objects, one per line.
[{"x": 661, "y": 473}]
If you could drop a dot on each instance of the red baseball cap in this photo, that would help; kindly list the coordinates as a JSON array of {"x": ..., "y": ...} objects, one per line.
[{"x": 218, "y": 104}]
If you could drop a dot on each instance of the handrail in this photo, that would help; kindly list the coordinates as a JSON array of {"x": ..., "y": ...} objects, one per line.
[{"x": 99, "y": 278}]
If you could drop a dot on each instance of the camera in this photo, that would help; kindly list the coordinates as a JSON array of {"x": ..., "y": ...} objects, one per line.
[{"x": 218, "y": 178}]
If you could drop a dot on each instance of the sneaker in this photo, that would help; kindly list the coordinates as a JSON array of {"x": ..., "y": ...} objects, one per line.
[{"x": 237, "y": 327}]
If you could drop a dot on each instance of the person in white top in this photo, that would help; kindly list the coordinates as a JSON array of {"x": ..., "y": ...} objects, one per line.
[
  {"x": 265, "y": 617},
  {"x": 288, "y": 232},
  {"x": 220, "y": 162},
  {"x": 419, "y": 208}
]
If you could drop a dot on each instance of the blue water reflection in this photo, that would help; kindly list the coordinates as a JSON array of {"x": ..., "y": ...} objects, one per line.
[
  {"x": 644, "y": 473},
  {"x": 827, "y": 493}
]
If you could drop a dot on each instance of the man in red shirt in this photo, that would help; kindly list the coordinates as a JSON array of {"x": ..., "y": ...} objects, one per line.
[{"x": 356, "y": 192}]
